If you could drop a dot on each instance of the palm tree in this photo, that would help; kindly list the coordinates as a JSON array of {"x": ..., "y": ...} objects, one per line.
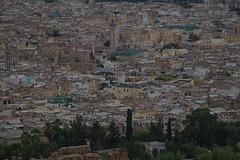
[
  {"x": 25, "y": 138},
  {"x": 114, "y": 134},
  {"x": 56, "y": 125},
  {"x": 80, "y": 131},
  {"x": 35, "y": 132},
  {"x": 71, "y": 137},
  {"x": 48, "y": 131},
  {"x": 97, "y": 135}
]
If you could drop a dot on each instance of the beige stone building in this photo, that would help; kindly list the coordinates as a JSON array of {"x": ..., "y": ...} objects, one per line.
[
  {"x": 177, "y": 117},
  {"x": 122, "y": 91},
  {"x": 173, "y": 52}
]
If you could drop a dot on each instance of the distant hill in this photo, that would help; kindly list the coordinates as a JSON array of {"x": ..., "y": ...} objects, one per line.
[
  {"x": 180, "y": 2},
  {"x": 133, "y": 1}
]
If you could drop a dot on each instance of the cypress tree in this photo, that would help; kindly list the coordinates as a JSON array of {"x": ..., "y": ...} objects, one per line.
[
  {"x": 159, "y": 127},
  {"x": 176, "y": 138},
  {"x": 169, "y": 130},
  {"x": 153, "y": 128},
  {"x": 129, "y": 124}
]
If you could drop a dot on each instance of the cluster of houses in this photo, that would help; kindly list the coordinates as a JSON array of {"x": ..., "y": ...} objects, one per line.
[{"x": 97, "y": 60}]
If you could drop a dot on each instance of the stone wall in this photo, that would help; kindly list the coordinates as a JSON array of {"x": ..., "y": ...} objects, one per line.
[
  {"x": 80, "y": 153},
  {"x": 71, "y": 153},
  {"x": 74, "y": 153},
  {"x": 119, "y": 155}
]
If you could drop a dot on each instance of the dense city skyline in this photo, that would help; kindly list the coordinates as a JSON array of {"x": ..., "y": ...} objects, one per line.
[{"x": 119, "y": 74}]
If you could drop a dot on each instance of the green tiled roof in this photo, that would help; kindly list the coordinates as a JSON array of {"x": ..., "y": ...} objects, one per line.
[
  {"x": 218, "y": 37},
  {"x": 164, "y": 26},
  {"x": 127, "y": 52},
  {"x": 57, "y": 13},
  {"x": 200, "y": 102},
  {"x": 112, "y": 25},
  {"x": 59, "y": 97},
  {"x": 191, "y": 28},
  {"x": 156, "y": 21},
  {"x": 175, "y": 27},
  {"x": 186, "y": 27}
]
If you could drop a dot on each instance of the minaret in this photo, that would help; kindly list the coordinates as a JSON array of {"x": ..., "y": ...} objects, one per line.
[
  {"x": 60, "y": 6},
  {"x": 113, "y": 36},
  {"x": 8, "y": 57},
  {"x": 93, "y": 49},
  {"x": 56, "y": 62},
  {"x": 145, "y": 21},
  {"x": 92, "y": 53}
]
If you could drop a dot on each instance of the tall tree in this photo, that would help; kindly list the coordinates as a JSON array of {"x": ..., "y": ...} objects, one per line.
[
  {"x": 48, "y": 131},
  {"x": 25, "y": 138},
  {"x": 159, "y": 127},
  {"x": 56, "y": 125},
  {"x": 155, "y": 152},
  {"x": 114, "y": 134},
  {"x": 225, "y": 153},
  {"x": 35, "y": 132},
  {"x": 80, "y": 131},
  {"x": 136, "y": 150},
  {"x": 129, "y": 130},
  {"x": 169, "y": 130},
  {"x": 221, "y": 132},
  {"x": 54, "y": 133},
  {"x": 197, "y": 127},
  {"x": 176, "y": 138},
  {"x": 2, "y": 153},
  {"x": 157, "y": 130},
  {"x": 6, "y": 151},
  {"x": 153, "y": 128},
  {"x": 71, "y": 136},
  {"x": 17, "y": 149},
  {"x": 48, "y": 148},
  {"x": 97, "y": 135}
]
